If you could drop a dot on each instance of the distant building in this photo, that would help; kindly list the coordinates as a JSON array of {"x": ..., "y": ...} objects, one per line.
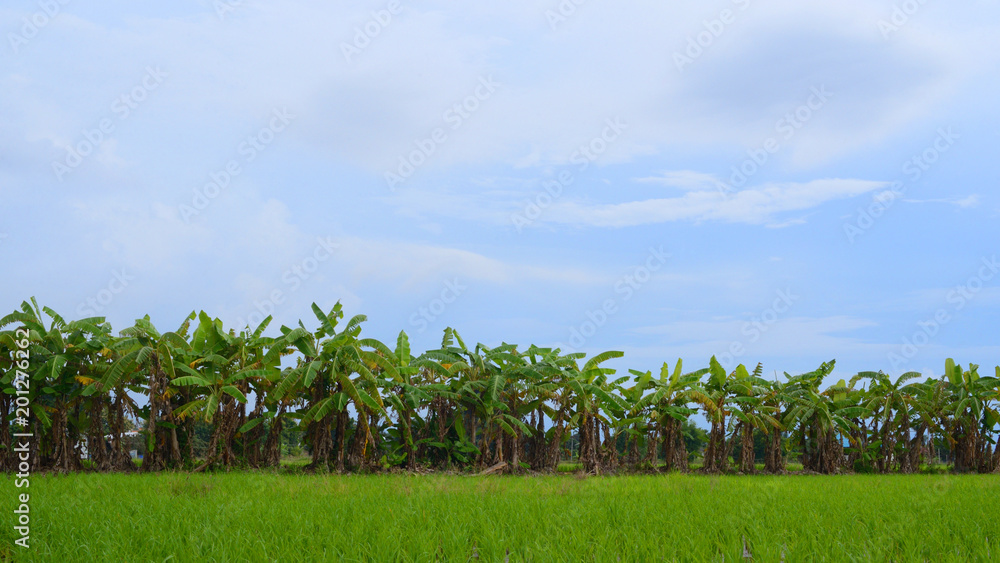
[{"x": 85, "y": 452}]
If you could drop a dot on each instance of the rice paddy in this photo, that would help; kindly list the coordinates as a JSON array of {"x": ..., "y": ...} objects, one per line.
[{"x": 245, "y": 516}]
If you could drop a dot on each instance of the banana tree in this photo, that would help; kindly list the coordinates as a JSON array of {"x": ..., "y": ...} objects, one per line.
[
  {"x": 551, "y": 398},
  {"x": 929, "y": 398},
  {"x": 146, "y": 354},
  {"x": 459, "y": 388},
  {"x": 217, "y": 366},
  {"x": 29, "y": 349},
  {"x": 638, "y": 425},
  {"x": 712, "y": 397},
  {"x": 331, "y": 359},
  {"x": 61, "y": 365},
  {"x": 88, "y": 359},
  {"x": 13, "y": 359},
  {"x": 262, "y": 353},
  {"x": 778, "y": 400},
  {"x": 823, "y": 418},
  {"x": 405, "y": 397},
  {"x": 669, "y": 400},
  {"x": 750, "y": 412},
  {"x": 889, "y": 403},
  {"x": 969, "y": 411},
  {"x": 595, "y": 407}
]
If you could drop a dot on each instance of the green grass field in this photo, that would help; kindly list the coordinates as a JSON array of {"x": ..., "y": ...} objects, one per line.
[{"x": 282, "y": 517}]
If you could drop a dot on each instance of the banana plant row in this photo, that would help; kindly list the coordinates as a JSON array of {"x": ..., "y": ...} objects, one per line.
[{"x": 76, "y": 388}]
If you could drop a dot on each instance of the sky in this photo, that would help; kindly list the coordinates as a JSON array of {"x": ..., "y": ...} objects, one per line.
[{"x": 778, "y": 182}]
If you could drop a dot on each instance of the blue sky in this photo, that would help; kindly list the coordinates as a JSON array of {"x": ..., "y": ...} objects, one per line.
[{"x": 778, "y": 182}]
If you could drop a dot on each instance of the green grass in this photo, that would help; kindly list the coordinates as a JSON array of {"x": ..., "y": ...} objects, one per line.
[
  {"x": 573, "y": 467},
  {"x": 569, "y": 467},
  {"x": 297, "y": 462},
  {"x": 272, "y": 517}
]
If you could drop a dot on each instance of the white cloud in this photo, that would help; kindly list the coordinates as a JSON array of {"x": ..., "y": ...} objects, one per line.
[
  {"x": 371, "y": 110},
  {"x": 757, "y": 205},
  {"x": 810, "y": 337},
  {"x": 962, "y": 203},
  {"x": 684, "y": 179},
  {"x": 323, "y": 176},
  {"x": 788, "y": 223},
  {"x": 414, "y": 265}
]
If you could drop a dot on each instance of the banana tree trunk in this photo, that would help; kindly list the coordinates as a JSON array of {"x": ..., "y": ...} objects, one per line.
[
  {"x": 534, "y": 444},
  {"x": 652, "y": 449},
  {"x": 515, "y": 452},
  {"x": 632, "y": 455},
  {"x": 63, "y": 452},
  {"x": 587, "y": 450},
  {"x": 164, "y": 449},
  {"x": 747, "y": 458},
  {"x": 443, "y": 413},
  {"x": 555, "y": 446},
  {"x": 610, "y": 447},
  {"x": 681, "y": 454},
  {"x": 364, "y": 441},
  {"x": 996, "y": 457},
  {"x": 411, "y": 458},
  {"x": 829, "y": 453},
  {"x": 340, "y": 442},
  {"x": 471, "y": 426},
  {"x": 120, "y": 459},
  {"x": 669, "y": 442},
  {"x": 272, "y": 446},
  {"x": 715, "y": 454},
  {"x": 774, "y": 460},
  {"x": 965, "y": 438},
  {"x": 886, "y": 449},
  {"x": 96, "y": 447},
  {"x": 7, "y": 461},
  {"x": 210, "y": 453},
  {"x": 253, "y": 440}
]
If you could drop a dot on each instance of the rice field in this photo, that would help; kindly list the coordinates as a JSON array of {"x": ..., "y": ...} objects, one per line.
[{"x": 244, "y": 516}]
